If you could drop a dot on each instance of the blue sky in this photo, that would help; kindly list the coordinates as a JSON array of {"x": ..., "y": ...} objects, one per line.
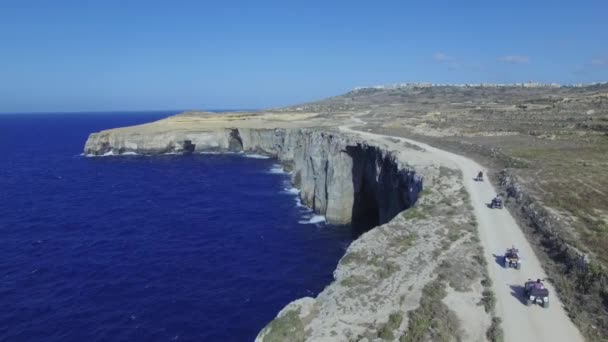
[{"x": 144, "y": 55}]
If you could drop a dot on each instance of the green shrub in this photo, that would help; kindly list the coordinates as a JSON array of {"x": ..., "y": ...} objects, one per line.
[
  {"x": 488, "y": 300},
  {"x": 386, "y": 332},
  {"x": 495, "y": 333}
]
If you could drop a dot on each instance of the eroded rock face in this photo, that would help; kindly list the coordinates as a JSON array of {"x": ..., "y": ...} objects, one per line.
[
  {"x": 385, "y": 271},
  {"x": 393, "y": 273},
  {"x": 340, "y": 177},
  {"x": 109, "y": 142}
]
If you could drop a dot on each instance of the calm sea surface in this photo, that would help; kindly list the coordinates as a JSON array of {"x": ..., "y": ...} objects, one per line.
[{"x": 199, "y": 247}]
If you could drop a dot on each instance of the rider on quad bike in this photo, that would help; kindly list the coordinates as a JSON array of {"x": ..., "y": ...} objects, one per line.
[
  {"x": 536, "y": 292},
  {"x": 479, "y": 177},
  {"x": 496, "y": 203},
  {"x": 512, "y": 258}
]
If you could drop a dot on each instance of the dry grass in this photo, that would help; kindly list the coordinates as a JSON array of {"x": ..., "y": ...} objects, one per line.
[
  {"x": 554, "y": 140},
  {"x": 288, "y": 327},
  {"x": 387, "y": 331},
  {"x": 433, "y": 320}
]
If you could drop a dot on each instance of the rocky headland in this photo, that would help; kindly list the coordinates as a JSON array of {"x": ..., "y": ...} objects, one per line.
[
  {"x": 419, "y": 271},
  {"x": 366, "y": 183},
  {"x": 343, "y": 178}
]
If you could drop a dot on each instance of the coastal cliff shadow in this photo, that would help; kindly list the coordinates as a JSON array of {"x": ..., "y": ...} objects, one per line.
[
  {"x": 365, "y": 213},
  {"x": 517, "y": 291},
  {"x": 381, "y": 190}
]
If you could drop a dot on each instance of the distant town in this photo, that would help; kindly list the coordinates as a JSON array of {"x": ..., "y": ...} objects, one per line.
[{"x": 530, "y": 84}]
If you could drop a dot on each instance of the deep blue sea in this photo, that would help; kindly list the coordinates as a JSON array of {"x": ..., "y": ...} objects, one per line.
[{"x": 197, "y": 247}]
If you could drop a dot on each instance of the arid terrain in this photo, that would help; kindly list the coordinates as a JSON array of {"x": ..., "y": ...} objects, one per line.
[
  {"x": 545, "y": 150},
  {"x": 552, "y": 140}
]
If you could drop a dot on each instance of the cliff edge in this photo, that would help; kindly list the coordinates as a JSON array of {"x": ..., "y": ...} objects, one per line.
[{"x": 403, "y": 266}]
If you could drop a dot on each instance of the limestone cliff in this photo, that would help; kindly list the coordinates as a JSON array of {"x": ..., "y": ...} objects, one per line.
[
  {"x": 340, "y": 177},
  {"x": 388, "y": 271}
]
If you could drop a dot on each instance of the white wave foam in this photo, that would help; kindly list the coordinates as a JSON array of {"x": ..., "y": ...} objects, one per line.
[
  {"x": 256, "y": 156},
  {"x": 219, "y": 152},
  {"x": 299, "y": 202},
  {"x": 110, "y": 154},
  {"x": 278, "y": 169},
  {"x": 291, "y": 191},
  {"x": 314, "y": 219}
]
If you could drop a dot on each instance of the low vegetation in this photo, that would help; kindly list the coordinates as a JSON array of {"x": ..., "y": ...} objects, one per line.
[
  {"x": 355, "y": 281},
  {"x": 436, "y": 241},
  {"x": 495, "y": 333},
  {"x": 433, "y": 320},
  {"x": 386, "y": 332},
  {"x": 403, "y": 241},
  {"x": 488, "y": 300},
  {"x": 288, "y": 327},
  {"x": 459, "y": 267},
  {"x": 414, "y": 214},
  {"x": 554, "y": 140}
]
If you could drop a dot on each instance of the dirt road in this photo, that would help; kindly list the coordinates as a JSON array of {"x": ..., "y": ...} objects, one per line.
[{"x": 497, "y": 231}]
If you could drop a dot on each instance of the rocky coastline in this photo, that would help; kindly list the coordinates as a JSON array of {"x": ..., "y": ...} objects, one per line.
[
  {"x": 345, "y": 179},
  {"x": 409, "y": 263}
]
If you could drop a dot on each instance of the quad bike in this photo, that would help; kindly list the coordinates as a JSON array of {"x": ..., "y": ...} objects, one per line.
[
  {"x": 496, "y": 203},
  {"x": 536, "y": 292},
  {"x": 512, "y": 259},
  {"x": 479, "y": 177}
]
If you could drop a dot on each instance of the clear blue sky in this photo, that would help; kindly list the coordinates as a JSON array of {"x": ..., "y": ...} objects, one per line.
[{"x": 139, "y": 55}]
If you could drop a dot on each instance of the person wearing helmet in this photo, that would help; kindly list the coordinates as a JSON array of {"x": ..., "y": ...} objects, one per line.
[
  {"x": 513, "y": 252},
  {"x": 539, "y": 284},
  {"x": 495, "y": 200}
]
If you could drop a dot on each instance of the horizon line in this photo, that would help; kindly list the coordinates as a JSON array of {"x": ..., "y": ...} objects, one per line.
[{"x": 117, "y": 111}]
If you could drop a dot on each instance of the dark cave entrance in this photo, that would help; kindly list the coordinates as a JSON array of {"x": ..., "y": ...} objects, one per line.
[
  {"x": 381, "y": 189},
  {"x": 366, "y": 211},
  {"x": 188, "y": 146},
  {"x": 235, "y": 143}
]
